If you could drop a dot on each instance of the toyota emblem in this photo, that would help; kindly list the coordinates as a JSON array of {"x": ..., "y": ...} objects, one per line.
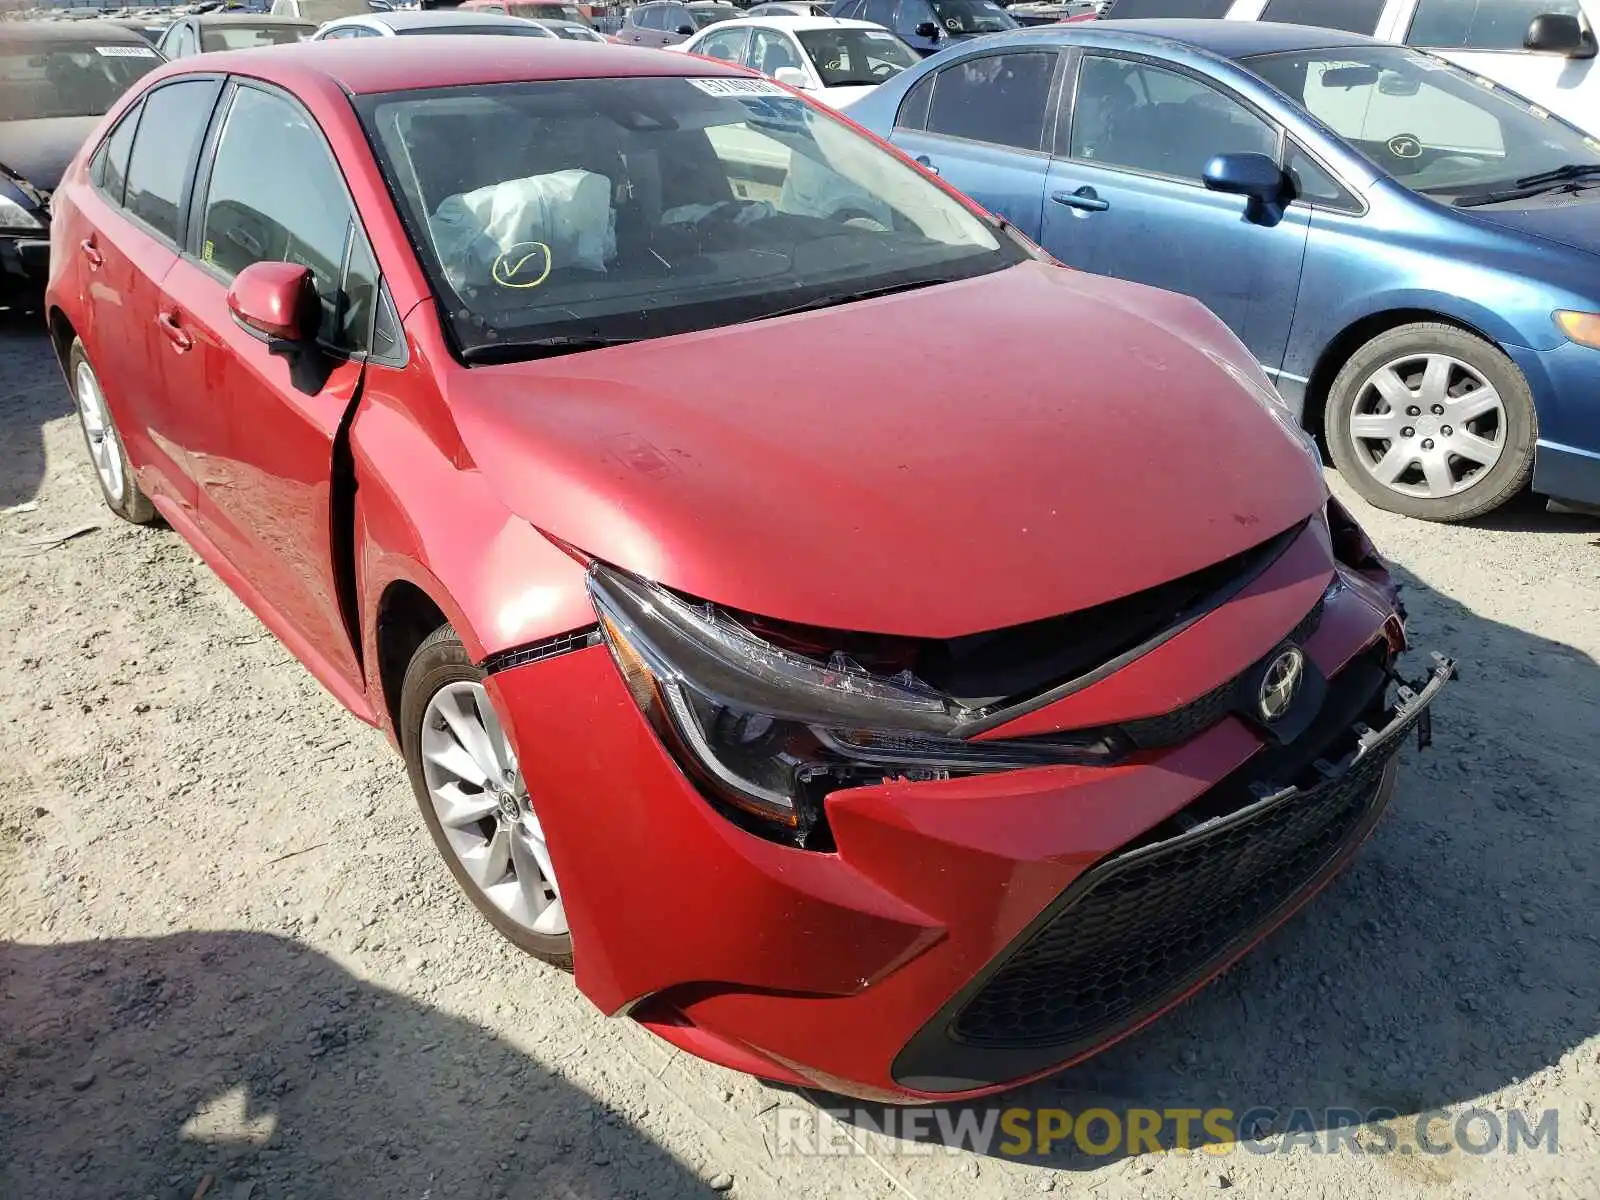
[{"x": 1281, "y": 684}]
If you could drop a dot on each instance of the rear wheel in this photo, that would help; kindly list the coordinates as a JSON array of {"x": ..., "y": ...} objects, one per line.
[
  {"x": 475, "y": 802},
  {"x": 1433, "y": 422},
  {"x": 121, "y": 490}
]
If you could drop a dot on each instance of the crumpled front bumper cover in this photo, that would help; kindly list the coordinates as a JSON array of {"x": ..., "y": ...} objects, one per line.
[{"x": 1146, "y": 926}]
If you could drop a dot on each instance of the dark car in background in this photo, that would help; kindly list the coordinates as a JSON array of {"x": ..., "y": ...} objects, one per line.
[
  {"x": 208, "y": 33},
  {"x": 57, "y": 79},
  {"x": 668, "y": 23},
  {"x": 928, "y": 26}
]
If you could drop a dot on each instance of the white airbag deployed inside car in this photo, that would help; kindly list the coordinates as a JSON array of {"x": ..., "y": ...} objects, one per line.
[{"x": 568, "y": 212}]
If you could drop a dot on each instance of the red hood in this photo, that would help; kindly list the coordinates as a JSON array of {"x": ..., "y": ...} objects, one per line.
[{"x": 936, "y": 463}]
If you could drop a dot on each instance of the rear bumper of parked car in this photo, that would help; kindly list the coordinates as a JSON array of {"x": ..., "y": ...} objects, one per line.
[{"x": 967, "y": 934}]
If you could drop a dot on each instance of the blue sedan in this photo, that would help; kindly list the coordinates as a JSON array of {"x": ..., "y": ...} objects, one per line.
[{"x": 1411, "y": 252}]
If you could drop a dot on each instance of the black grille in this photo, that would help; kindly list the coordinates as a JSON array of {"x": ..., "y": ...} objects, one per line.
[
  {"x": 1140, "y": 926},
  {"x": 1181, "y": 724}
]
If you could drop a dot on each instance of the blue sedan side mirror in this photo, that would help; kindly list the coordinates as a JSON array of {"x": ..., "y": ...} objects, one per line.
[{"x": 1252, "y": 175}]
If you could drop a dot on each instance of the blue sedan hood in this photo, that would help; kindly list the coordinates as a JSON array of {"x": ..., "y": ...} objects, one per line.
[{"x": 1572, "y": 219}]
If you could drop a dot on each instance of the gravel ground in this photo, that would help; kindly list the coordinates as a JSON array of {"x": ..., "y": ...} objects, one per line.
[{"x": 231, "y": 964}]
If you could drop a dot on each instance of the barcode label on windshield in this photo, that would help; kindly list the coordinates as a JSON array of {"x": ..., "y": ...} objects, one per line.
[
  {"x": 125, "y": 51},
  {"x": 738, "y": 87}
]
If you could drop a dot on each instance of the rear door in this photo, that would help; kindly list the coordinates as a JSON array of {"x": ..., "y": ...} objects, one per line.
[
  {"x": 985, "y": 123},
  {"x": 1125, "y": 196},
  {"x": 265, "y": 502},
  {"x": 138, "y": 223}
]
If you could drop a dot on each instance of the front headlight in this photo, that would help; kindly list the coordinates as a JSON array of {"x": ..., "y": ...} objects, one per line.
[
  {"x": 1580, "y": 327},
  {"x": 14, "y": 217},
  {"x": 767, "y": 732}
]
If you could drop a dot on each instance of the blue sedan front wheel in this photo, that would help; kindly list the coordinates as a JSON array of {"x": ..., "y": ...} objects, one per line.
[{"x": 1433, "y": 422}]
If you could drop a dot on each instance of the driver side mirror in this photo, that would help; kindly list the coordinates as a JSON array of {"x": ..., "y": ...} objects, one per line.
[
  {"x": 1559, "y": 33},
  {"x": 1252, "y": 175},
  {"x": 277, "y": 301},
  {"x": 686, "y": 30},
  {"x": 792, "y": 77},
  {"x": 927, "y": 30}
]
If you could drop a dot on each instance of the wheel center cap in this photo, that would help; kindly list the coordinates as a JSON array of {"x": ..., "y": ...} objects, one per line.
[{"x": 509, "y": 808}]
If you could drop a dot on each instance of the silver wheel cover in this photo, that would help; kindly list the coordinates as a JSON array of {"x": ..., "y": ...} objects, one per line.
[
  {"x": 104, "y": 446},
  {"x": 1428, "y": 425}
]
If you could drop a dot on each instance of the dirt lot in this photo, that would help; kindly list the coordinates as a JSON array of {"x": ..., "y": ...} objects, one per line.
[{"x": 230, "y": 962}]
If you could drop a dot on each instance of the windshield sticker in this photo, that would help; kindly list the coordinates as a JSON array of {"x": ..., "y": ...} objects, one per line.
[
  {"x": 738, "y": 87},
  {"x": 874, "y": 35},
  {"x": 524, "y": 265},
  {"x": 125, "y": 51}
]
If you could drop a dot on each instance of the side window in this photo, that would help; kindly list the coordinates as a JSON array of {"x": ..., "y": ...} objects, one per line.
[
  {"x": 168, "y": 141},
  {"x": 251, "y": 217},
  {"x": 770, "y": 51},
  {"x": 999, "y": 98},
  {"x": 1147, "y": 118},
  {"x": 903, "y": 20},
  {"x": 727, "y": 45},
  {"x": 653, "y": 16},
  {"x": 1314, "y": 185},
  {"x": 109, "y": 170},
  {"x": 1481, "y": 24},
  {"x": 913, "y": 112},
  {"x": 183, "y": 42},
  {"x": 1352, "y": 16}
]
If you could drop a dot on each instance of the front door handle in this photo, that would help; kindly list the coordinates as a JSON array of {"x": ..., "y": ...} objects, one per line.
[
  {"x": 926, "y": 164},
  {"x": 1085, "y": 199},
  {"x": 181, "y": 341},
  {"x": 91, "y": 254}
]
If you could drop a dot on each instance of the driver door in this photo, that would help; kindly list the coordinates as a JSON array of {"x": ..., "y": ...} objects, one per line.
[{"x": 265, "y": 500}]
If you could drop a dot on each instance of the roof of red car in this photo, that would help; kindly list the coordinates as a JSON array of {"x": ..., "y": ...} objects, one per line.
[{"x": 396, "y": 64}]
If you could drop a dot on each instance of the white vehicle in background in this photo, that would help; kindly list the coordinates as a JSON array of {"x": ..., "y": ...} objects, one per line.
[
  {"x": 836, "y": 62},
  {"x": 572, "y": 31},
  {"x": 1544, "y": 50},
  {"x": 434, "y": 21}
]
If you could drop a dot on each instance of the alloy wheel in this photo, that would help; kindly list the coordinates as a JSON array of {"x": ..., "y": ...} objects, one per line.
[
  {"x": 1428, "y": 425},
  {"x": 479, "y": 795},
  {"x": 104, "y": 447}
]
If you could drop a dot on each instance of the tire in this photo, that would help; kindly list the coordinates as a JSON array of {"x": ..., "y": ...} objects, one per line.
[
  {"x": 1427, "y": 368},
  {"x": 442, "y": 671},
  {"x": 107, "y": 453}
]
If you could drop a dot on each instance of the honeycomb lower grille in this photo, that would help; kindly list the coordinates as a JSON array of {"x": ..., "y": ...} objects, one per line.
[{"x": 1135, "y": 931}]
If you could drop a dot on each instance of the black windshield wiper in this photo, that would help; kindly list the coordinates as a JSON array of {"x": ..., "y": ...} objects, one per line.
[
  {"x": 832, "y": 299},
  {"x": 548, "y": 347},
  {"x": 1559, "y": 174},
  {"x": 1530, "y": 185}
]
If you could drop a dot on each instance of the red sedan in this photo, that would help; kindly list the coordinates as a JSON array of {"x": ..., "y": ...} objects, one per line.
[{"x": 869, "y": 654}]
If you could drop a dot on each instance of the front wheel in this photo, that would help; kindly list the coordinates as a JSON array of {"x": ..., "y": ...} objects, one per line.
[
  {"x": 1433, "y": 422},
  {"x": 475, "y": 801}
]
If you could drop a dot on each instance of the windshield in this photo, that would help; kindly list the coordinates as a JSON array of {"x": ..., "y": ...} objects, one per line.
[
  {"x": 640, "y": 207},
  {"x": 1431, "y": 126},
  {"x": 243, "y": 37},
  {"x": 577, "y": 33},
  {"x": 846, "y": 57},
  {"x": 972, "y": 16},
  {"x": 703, "y": 16},
  {"x": 68, "y": 79}
]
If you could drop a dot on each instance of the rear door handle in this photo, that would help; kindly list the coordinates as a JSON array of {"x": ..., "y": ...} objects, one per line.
[
  {"x": 91, "y": 255},
  {"x": 926, "y": 164},
  {"x": 181, "y": 341},
  {"x": 1084, "y": 199}
]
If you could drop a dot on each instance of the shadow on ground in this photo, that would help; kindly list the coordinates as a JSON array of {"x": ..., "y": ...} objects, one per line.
[
  {"x": 31, "y": 393},
  {"x": 138, "y": 1067},
  {"x": 1457, "y": 954}
]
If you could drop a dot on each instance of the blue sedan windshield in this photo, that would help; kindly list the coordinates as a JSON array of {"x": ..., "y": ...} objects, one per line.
[{"x": 1427, "y": 124}]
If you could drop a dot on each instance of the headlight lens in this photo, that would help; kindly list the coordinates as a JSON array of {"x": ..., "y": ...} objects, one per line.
[
  {"x": 1580, "y": 327},
  {"x": 767, "y": 732},
  {"x": 14, "y": 216}
]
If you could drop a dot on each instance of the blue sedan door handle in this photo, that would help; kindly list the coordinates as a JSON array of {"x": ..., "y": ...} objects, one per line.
[
  {"x": 1084, "y": 199},
  {"x": 926, "y": 164}
]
